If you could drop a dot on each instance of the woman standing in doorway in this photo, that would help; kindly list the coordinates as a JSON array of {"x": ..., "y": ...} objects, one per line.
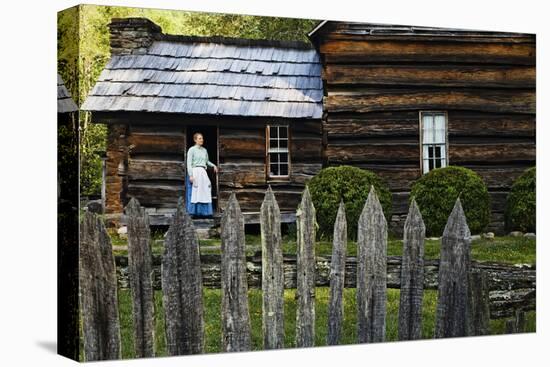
[{"x": 198, "y": 188}]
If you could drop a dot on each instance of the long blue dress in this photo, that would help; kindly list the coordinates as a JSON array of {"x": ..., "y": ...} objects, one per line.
[{"x": 195, "y": 209}]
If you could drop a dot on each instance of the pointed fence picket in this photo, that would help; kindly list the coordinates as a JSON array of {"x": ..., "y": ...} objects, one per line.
[
  {"x": 141, "y": 283},
  {"x": 236, "y": 327},
  {"x": 372, "y": 240},
  {"x": 182, "y": 287}
]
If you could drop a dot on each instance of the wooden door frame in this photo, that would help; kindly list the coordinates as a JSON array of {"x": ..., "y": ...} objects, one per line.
[{"x": 217, "y": 132}]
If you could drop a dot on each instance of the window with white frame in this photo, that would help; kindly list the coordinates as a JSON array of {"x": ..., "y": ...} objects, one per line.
[
  {"x": 277, "y": 153},
  {"x": 434, "y": 140}
]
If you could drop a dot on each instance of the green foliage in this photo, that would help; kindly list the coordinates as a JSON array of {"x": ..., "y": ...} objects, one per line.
[
  {"x": 83, "y": 51},
  {"x": 521, "y": 204},
  {"x": 350, "y": 184},
  {"x": 437, "y": 191}
]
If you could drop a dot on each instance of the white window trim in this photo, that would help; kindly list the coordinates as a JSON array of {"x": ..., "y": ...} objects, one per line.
[
  {"x": 423, "y": 168},
  {"x": 277, "y": 150}
]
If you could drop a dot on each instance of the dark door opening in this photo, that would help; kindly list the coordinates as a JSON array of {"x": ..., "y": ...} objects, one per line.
[{"x": 210, "y": 135}]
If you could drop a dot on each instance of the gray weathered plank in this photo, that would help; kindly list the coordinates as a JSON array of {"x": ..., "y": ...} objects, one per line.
[
  {"x": 182, "y": 287},
  {"x": 98, "y": 289},
  {"x": 272, "y": 273},
  {"x": 305, "y": 277},
  {"x": 412, "y": 276},
  {"x": 337, "y": 277},
  {"x": 372, "y": 239},
  {"x": 235, "y": 312},
  {"x": 517, "y": 324},
  {"x": 141, "y": 283},
  {"x": 479, "y": 303},
  {"x": 453, "y": 303}
]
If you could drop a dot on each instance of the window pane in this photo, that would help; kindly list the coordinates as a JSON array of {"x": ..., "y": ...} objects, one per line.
[
  {"x": 274, "y": 158},
  {"x": 431, "y": 164},
  {"x": 427, "y": 128},
  {"x": 283, "y": 169},
  {"x": 283, "y": 157},
  {"x": 272, "y": 143},
  {"x": 273, "y": 169},
  {"x": 430, "y": 151},
  {"x": 439, "y": 129},
  {"x": 273, "y": 132},
  {"x": 426, "y": 165},
  {"x": 283, "y": 132},
  {"x": 437, "y": 152},
  {"x": 283, "y": 143}
]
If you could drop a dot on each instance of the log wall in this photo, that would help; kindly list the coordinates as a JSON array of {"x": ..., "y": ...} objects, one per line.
[
  {"x": 243, "y": 160},
  {"x": 376, "y": 84},
  {"x": 146, "y": 160},
  {"x": 116, "y": 168}
]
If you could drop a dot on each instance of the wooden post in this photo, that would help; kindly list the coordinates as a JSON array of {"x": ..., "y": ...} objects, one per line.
[
  {"x": 371, "y": 271},
  {"x": 511, "y": 326},
  {"x": 337, "y": 277},
  {"x": 479, "y": 303},
  {"x": 517, "y": 324},
  {"x": 305, "y": 273},
  {"x": 98, "y": 288},
  {"x": 412, "y": 276},
  {"x": 272, "y": 273},
  {"x": 182, "y": 286},
  {"x": 235, "y": 313},
  {"x": 141, "y": 284},
  {"x": 520, "y": 321},
  {"x": 454, "y": 267}
]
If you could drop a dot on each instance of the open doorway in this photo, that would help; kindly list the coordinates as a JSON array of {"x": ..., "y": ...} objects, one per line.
[{"x": 210, "y": 135}]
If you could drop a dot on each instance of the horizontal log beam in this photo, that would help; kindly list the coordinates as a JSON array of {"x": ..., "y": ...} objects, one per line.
[
  {"x": 243, "y": 146},
  {"x": 502, "y": 101},
  {"x": 388, "y": 51},
  {"x": 470, "y": 124},
  {"x": 483, "y": 153},
  {"x": 149, "y": 143},
  {"x": 498, "y": 177},
  {"x": 139, "y": 169},
  {"x": 373, "y": 152},
  {"x": 250, "y": 199},
  {"x": 438, "y": 75}
]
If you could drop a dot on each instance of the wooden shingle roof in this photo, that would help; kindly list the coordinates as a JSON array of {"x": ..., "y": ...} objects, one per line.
[
  {"x": 65, "y": 103},
  {"x": 213, "y": 75}
]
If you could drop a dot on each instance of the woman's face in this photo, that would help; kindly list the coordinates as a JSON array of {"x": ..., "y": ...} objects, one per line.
[{"x": 199, "y": 139}]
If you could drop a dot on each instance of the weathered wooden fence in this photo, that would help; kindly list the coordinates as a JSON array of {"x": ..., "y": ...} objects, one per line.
[{"x": 466, "y": 289}]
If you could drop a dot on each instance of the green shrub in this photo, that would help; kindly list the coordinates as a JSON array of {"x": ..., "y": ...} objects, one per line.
[
  {"x": 351, "y": 184},
  {"x": 436, "y": 193},
  {"x": 521, "y": 203}
]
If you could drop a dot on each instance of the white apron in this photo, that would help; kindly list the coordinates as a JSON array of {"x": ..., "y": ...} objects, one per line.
[{"x": 201, "y": 191}]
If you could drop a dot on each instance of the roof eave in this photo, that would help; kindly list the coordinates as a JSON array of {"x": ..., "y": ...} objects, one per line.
[{"x": 319, "y": 25}]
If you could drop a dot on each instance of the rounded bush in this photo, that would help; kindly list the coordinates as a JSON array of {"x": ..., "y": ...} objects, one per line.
[
  {"x": 351, "y": 184},
  {"x": 436, "y": 193},
  {"x": 521, "y": 203}
]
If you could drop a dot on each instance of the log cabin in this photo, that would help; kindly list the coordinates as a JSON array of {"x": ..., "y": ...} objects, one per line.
[
  {"x": 402, "y": 100},
  {"x": 258, "y": 104},
  {"x": 397, "y": 100}
]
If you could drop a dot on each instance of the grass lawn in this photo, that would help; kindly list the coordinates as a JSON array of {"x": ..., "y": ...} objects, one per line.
[
  {"x": 212, "y": 299},
  {"x": 511, "y": 250}
]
